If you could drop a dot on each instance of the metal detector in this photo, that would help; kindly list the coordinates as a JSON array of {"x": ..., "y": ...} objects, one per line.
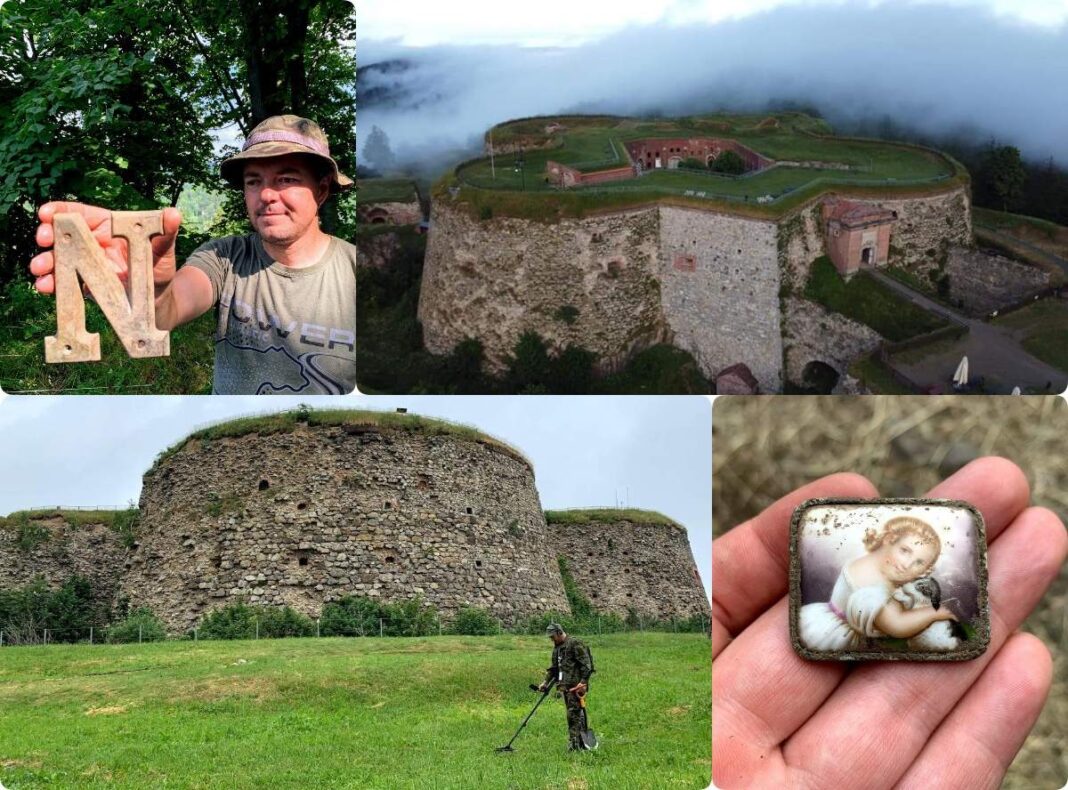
[{"x": 508, "y": 746}]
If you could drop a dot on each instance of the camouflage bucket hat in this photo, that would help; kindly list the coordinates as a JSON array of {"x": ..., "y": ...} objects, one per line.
[
  {"x": 278, "y": 136},
  {"x": 553, "y": 628}
]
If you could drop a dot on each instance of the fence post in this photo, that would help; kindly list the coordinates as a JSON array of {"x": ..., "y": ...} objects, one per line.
[
  {"x": 90, "y": 635},
  {"x": 379, "y": 626},
  {"x": 194, "y": 634},
  {"x": 139, "y": 629},
  {"x": 498, "y": 626},
  {"x": 46, "y": 636},
  {"x": 598, "y": 625},
  {"x": 1, "y": 638},
  {"x": 317, "y": 628},
  {"x": 257, "y": 619},
  {"x": 439, "y": 625}
]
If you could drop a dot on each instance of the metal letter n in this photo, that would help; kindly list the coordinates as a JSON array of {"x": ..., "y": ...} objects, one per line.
[{"x": 131, "y": 311}]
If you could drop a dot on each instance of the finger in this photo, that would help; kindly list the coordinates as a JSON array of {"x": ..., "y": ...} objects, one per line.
[
  {"x": 94, "y": 215},
  {"x": 996, "y": 486},
  {"x": 761, "y": 692},
  {"x": 901, "y": 703},
  {"x": 45, "y": 235},
  {"x": 42, "y": 264},
  {"x": 749, "y": 563},
  {"x": 989, "y": 724},
  {"x": 45, "y": 285},
  {"x": 172, "y": 221}
]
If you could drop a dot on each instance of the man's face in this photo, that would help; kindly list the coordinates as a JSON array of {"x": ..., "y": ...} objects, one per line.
[
  {"x": 282, "y": 197},
  {"x": 557, "y": 638}
]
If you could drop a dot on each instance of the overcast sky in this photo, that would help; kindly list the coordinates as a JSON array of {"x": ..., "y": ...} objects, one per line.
[
  {"x": 997, "y": 68},
  {"x": 651, "y": 453}
]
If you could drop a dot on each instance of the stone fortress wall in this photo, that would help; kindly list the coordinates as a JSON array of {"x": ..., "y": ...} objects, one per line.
[
  {"x": 707, "y": 280},
  {"x": 309, "y": 516},
  {"x": 641, "y": 565},
  {"x": 59, "y": 551}
]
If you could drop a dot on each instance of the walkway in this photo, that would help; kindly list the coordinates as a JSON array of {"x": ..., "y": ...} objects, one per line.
[{"x": 993, "y": 351}]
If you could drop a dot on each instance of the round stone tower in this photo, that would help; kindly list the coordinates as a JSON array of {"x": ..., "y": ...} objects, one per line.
[
  {"x": 624, "y": 560},
  {"x": 303, "y": 511}
]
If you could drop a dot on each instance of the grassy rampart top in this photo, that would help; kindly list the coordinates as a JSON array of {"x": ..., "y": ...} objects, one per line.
[
  {"x": 515, "y": 186},
  {"x": 386, "y": 190},
  {"x": 304, "y": 419},
  {"x": 608, "y": 516},
  {"x": 74, "y": 518}
]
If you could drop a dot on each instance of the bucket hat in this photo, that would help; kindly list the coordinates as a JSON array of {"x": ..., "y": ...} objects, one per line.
[{"x": 280, "y": 135}]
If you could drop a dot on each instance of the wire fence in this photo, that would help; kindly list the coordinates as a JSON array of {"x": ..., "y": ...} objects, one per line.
[{"x": 105, "y": 634}]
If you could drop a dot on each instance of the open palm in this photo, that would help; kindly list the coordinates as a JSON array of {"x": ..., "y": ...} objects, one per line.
[{"x": 780, "y": 721}]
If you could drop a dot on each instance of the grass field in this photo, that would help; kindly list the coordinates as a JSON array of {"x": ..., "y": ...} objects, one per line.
[
  {"x": 386, "y": 190},
  {"x": 596, "y": 144},
  {"x": 1044, "y": 326},
  {"x": 868, "y": 301},
  {"x": 350, "y": 713}
]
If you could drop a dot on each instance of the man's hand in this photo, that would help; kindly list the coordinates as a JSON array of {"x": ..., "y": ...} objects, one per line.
[
  {"x": 98, "y": 219},
  {"x": 578, "y": 688},
  {"x": 543, "y": 686},
  {"x": 780, "y": 721}
]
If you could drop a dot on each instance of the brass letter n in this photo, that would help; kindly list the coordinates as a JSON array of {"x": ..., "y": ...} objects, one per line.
[{"x": 131, "y": 311}]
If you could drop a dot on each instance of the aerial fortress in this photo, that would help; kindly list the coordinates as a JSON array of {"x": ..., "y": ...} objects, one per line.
[{"x": 616, "y": 234}]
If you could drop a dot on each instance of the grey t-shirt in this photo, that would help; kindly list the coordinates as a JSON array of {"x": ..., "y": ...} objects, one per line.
[{"x": 281, "y": 330}]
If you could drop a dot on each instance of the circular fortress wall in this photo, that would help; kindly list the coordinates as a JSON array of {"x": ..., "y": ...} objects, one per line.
[
  {"x": 623, "y": 560},
  {"x": 383, "y": 506}
]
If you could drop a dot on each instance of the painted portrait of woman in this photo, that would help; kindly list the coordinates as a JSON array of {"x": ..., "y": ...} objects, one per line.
[{"x": 889, "y": 578}]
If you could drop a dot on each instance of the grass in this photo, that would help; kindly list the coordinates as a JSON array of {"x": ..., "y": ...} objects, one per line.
[
  {"x": 599, "y": 143},
  {"x": 874, "y": 375},
  {"x": 1045, "y": 330},
  {"x": 603, "y": 515},
  {"x": 289, "y": 421},
  {"x": 866, "y": 300},
  {"x": 386, "y": 190},
  {"x": 1003, "y": 220},
  {"x": 350, "y": 713},
  {"x": 27, "y": 318},
  {"x": 124, "y": 522}
]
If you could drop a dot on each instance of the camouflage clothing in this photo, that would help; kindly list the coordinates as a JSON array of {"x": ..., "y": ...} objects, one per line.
[{"x": 571, "y": 666}]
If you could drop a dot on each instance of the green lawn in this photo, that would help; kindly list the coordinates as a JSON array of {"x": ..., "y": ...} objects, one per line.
[
  {"x": 350, "y": 713},
  {"x": 600, "y": 145},
  {"x": 1045, "y": 328},
  {"x": 27, "y": 318},
  {"x": 386, "y": 190},
  {"x": 866, "y": 300}
]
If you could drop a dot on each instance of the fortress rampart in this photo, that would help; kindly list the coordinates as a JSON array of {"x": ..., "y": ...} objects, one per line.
[
  {"x": 708, "y": 280},
  {"x": 640, "y": 564}
]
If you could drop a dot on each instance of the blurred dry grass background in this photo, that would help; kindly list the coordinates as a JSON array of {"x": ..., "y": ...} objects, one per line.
[{"x": 764, "y": 447}]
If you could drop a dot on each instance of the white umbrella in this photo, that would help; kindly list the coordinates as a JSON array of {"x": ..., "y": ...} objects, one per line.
[
  {"x": 960, "y": 378},
  {"x": 1016, "y": 391}
]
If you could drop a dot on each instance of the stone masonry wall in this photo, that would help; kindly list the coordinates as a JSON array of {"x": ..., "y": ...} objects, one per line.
[
  {"x": 307, "y": 517},
  {"x": 983, "y": 282},
  {"x": 814, "y": 334},
  {"x": 589, "y": 282},
  {"x": 623, "y": 565},
  {"x": 93, "y": 551},
  {"x": 720, "y": 286}
]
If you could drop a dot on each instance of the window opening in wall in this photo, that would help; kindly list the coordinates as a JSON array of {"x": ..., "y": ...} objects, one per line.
[
  {"x": 302, "y": 505},
  {"x": 264, "y": 485},
  {"x": 630, "y": 595},
  {"x": 468, "y": 511},
  {"x": 389, "y": 505},
  {"x": 302, "y": 561},
  {"x": 389, "y": 558},
  {"x": 478, "y": 563}
]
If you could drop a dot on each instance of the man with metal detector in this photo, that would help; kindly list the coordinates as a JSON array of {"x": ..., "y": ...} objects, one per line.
[{"x": 571, "y": 669}]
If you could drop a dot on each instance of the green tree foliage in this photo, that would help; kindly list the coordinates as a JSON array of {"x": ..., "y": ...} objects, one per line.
[
  {"x": 474, "y": 621},
  {"x": 528, "y": 370},
  {"x": 67, "y": 612},
  {"x": 729, "y": 163},
  {"x": 239, "y": 620},
  {"x": 1001, "y": 176},
  {"x": 413, "y": 617},
  {"x": 377, "y": 151},
  {"x": 350, "y": 616},
  {"x": 141, "y": 625}
]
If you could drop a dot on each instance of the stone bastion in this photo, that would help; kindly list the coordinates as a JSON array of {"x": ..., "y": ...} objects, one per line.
[
  {"x": 308, "y": 514},
  {"x": 616, "y": 281},
  {"x": 629, "y": 561}
]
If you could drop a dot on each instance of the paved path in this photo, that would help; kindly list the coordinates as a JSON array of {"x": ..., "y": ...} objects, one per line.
[{"x": 993, "y": 351}]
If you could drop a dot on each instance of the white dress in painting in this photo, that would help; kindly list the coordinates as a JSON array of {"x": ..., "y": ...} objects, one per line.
[{"x": 847, "y": 620}]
